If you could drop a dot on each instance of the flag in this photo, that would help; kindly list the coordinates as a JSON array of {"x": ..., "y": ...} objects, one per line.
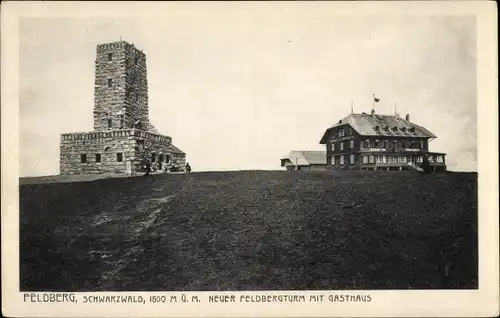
[{"x": 376, "y": 99}]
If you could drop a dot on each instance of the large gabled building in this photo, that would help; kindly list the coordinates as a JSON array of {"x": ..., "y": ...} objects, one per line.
[{"x": 379, "y": 142}]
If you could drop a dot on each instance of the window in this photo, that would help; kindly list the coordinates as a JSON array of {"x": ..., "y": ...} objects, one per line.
[
  {"x": 110, "y": 82},
  {"x": 332, "y": 160},
  {"x": 421, "y": 145},
  {"x": 384, "y": 159},
  {"x": 403, "y": 158},
  {"x": 119, "y": 157},
  {"x": 110, "y": 123},
  {"x": 367, "y": 143},
  {"x": 153, "y": 157},
  {"x": 395, "y": 142},
  {"x": 110, "y": 56},
  {"x": 97, "y": 157},
  {"x": 365, "y": 159},
  {"x": 351, "y": 144},
  {"x": 377, "y": 143},
  {"x": 341, "y": 145},
  {"x": 431, "y": 158},
  {"x": 341, "y": 160},
  {"x": 121, "y": 121},
  {"x": 83, "y": 158},
  {"x": 371, "y": 159},
  {"x": 350, "y": 131},
  {"x": 140, "y": 145},
  {"x": 386, "y": 143},
  {"x": 439, "y": 158},
  {"x": 167, "y": 158},
  {"x": 351, "y": 159},
  {"x": 333, "y": 146}
]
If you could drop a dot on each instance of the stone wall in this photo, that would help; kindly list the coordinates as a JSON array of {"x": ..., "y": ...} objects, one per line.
[
  {"x": 105, "y": 144},
  {"x": 180, "y": 160},
  {"x": 121, "y": 88},
  {"x": 136, "y": 146},
  {"x": 147, "y": 144}
]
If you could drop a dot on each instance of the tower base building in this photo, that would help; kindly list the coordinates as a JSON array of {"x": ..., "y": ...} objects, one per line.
[{"x": 123, "y": 140}]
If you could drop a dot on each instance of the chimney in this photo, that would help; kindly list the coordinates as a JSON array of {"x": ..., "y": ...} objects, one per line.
[
  {"x": 407, "y": 117},
  {"x": 373, "y": 113}
]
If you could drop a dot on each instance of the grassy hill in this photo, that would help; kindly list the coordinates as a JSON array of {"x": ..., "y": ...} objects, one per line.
[{"x": 251, "y": 230}]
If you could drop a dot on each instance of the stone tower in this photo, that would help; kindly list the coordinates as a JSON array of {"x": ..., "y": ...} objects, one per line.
[
  {"x": 123, "y": 139},
  {"x": 121, "y": 88}
]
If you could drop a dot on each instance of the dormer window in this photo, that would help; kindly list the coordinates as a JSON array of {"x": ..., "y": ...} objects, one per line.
[
  {"x": 110, "y": 56},
  {"x": 377, "y": 128},
  {"x": 110, "y": 82},
  {"x": 403, "y": 129},
  {"x": 386, "y": 128}
]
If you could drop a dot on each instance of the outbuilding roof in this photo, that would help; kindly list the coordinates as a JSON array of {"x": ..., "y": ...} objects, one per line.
[
  {"x": 380, "y": 125},
  {"x": 177, "y": 150},
  {"x": 305, "y": 158}
]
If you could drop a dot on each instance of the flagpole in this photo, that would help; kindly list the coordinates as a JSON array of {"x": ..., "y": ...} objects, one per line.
[
  {"x": 352, "y": 106},
  {"x": 373, "y": 102}
]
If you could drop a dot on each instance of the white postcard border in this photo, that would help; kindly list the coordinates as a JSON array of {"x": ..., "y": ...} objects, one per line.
[{"x": 409, "y": 303}]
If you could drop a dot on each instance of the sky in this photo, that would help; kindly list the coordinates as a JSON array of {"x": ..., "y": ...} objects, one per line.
[{"x": 240, "y": 91}]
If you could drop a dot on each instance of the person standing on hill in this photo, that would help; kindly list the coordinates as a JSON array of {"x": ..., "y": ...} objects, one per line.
[
  {"x": 148, "y": 168},
  {"x": 188, "y": 168},
  {"x": 426, "y": 165}
]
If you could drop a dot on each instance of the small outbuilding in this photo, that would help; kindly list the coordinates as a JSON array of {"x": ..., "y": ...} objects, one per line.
[{"x": 304, "y": 160}]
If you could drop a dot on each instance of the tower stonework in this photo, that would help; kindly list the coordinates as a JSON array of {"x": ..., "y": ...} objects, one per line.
[
  {"x": 121, "y": 87},
  {"x": 123, "y": 138}
]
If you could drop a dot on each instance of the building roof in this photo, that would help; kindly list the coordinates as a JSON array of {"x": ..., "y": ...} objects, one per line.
[
  {"x": 306, "y": 158},
  {"x": 177, "y": 150},
  {"x": 380, "y": 125}
]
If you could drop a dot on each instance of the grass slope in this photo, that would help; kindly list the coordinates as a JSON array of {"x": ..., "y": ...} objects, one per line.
[{"x": 252, "y": 230}]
